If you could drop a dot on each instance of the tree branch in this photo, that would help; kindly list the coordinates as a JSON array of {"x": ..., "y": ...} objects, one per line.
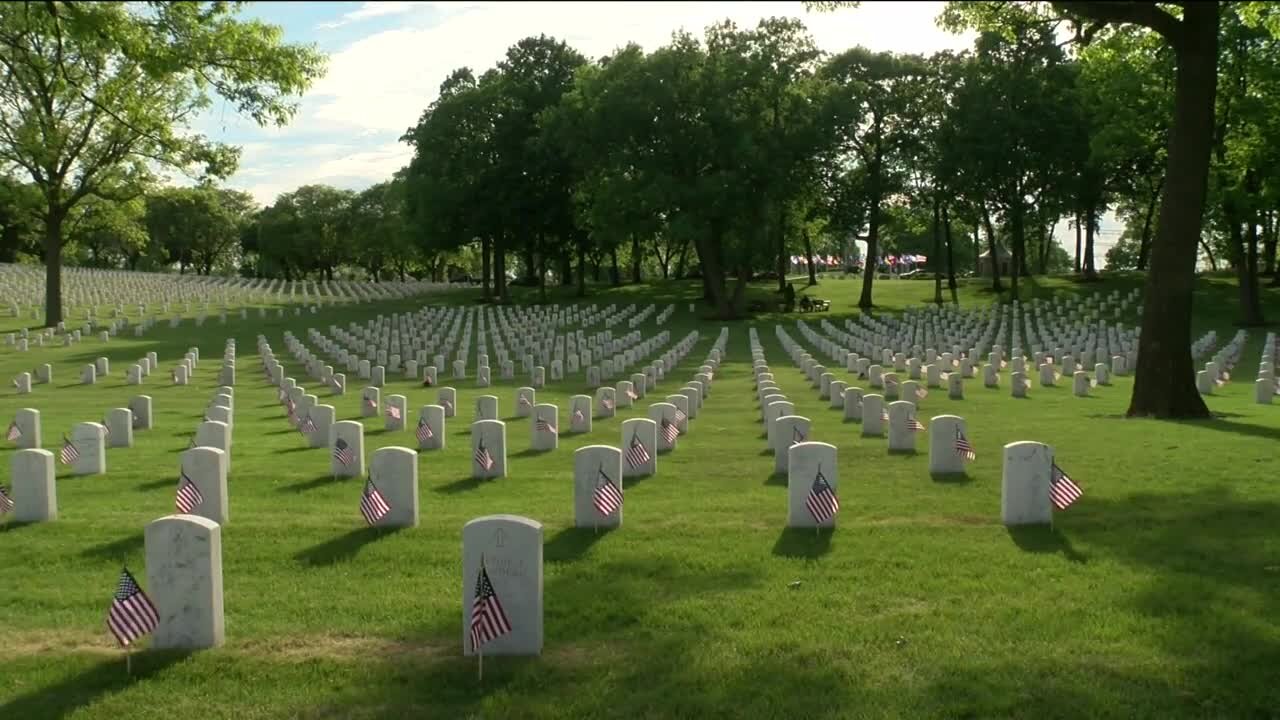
[{"x": 1146, "y": 14}]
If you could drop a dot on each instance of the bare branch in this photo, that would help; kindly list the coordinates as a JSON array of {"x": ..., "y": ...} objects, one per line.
[{"x": 1146, "y": 14}]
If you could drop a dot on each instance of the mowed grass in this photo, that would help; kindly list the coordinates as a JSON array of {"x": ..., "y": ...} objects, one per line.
[{"x": 1157, "y": 595}]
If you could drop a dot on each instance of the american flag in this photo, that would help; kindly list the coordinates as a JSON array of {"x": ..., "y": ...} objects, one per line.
[
  {"x": 15, "y": 382},
  {"x": 963, "y": 448},
  {"x": 607, "y": 497},
  {"x": 541, "y": 425},
  {"x": 424, "y": 431},
  {"x": 174, "y": 375},
  {"x": 14, "y": 432},
  {"x": 69, "y": 453},
  {"x": 1062, "y": 489},
  {"x": 669, "y": 431},
  {"x": 106, "y": 429},
  {"x": 372, "y": 505},
  {"x": 921, "y": 393},
  {"x": 483, "y": 457},
  {"x": 307, "y": 426},
  {"x": 636, "y": 454},
  {"x": 523, "y": 401},
  {"x": 915, "y": 425},
  {"x": 337, "y": 386},
  {"x": 680, "y": 416},
  {"x": 822, "y": 502},
  {"x": 797, "y": 437},
  {"x": 393, "y": 412},
  {"x": 426, "y": 381},
  {"x": 448, "y": 405},
  {"x": 632, "y": 394},
  {"x": 131, "y": 615},
  {"x": 6, "y": 503},
  {"x": 578, "y": 416},
  {"x": 488, "y": 619},
  {"x": 370, "y": 403},
  {"x": 343, "y": 453},
  {"x": 607, "y": 403},
  {"x": 189, "y": 496},
  {"x": 282, "y": 395}
]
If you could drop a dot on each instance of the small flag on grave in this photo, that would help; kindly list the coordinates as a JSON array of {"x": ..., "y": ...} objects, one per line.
[
  {"x": 637, "y": 455},
  {"x": 632, "y": 394},
  {"x": 342, "y": 452},
  {"x": 424, "y": 431},
  {"x": 191, "y": 441},
  {"x": 189, "y": 496},
  {"x": 797, "y": 437},
  {"x": 369, "y": 403},
  {"x": 963, "y": 448},
  {"x": 448, "y": 406},
  {"x": 488, "y": 619},
  {"x": 607, "y": 497},
  {"x": 69, "y": 453},
  {"x": 523, "y": 401},
  {"x": 607, "y": 403},
  {"x": 543, "y": 426},
  {"x": 307, "y": 425},
  {"x": 915, "y": 425},
  {"x": 822, "y": 502},
  {"x": 372, "y": 505},
  {"x": 131, "y": 614},
  {"x": 6, "y": 503},
  {"x": 426, "y": 381},
  {"x": 483, "y": 457},
  {"x": 578, "y": 416},
  {"x": 1063, "y": 491},
  {"x": 680, "y": 416},
  {"x": 14, "y": 432},
  {"x": 669, "y": 431},
  {"x": 393, "y": 412}
]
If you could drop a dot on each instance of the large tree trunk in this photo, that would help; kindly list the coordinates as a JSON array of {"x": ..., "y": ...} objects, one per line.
[
  {"x": 1017, "y": 231},
  {"x": 1269, "y": 243},
  {"x": 708, "y": 247},
  {"x": 996, "y": 285},
  {"x": 582, "y": 264},
  {"x": 635, "y": 258},
  {"x": 1144, "y": 246},
  {"x": 937, "y": 251},
  {"x": 873, "y": 256},
  {"x": 53, "y": 266},
  {"x": 500, "y": 270},
  {"x": 682, "y": 259},
  {"x": 566, "y": 266},
  {"x": 951, "y": 258},
  {"x": 486, "y": 247},
  {"x": 542, "y": 275},
  {"x": 1090, "y": 231},
  {"x": 808, "y": 255},
  {"x": 615, "y": 274},
  {"x": 782, "y": 264},
  {"x": 1079, "y": 230},
  {"x": 977, "y": 250},
  {"x": 1164, "y": 381}
]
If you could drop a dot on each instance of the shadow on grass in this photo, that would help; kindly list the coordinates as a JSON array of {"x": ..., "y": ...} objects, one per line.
[
  {"x": 634, "y": 480},
  {"x": 13, "y": 525},
  {"x": 803, "y": 543},
  {"x": 78, "y": 691},
  {"x": 778, "y": 478},
  {"x": 343, "y": 548},
  {"x": 116, "y": 549},
  {"x": 156, "y": 484},
  {"x": 959, "y": 478},
  {"x": 572, "y": 543},
  {"x": 530, "y": 452},
  {"x": 312, "y": 484},
  {"x": 463, "y": 485},
  {"x": 297, "y": 448},
  {"x": 1044, "y": 539}
]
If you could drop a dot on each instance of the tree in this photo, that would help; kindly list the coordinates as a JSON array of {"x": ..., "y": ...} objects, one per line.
[
  {"x": 111, "y": 233},
  {"x": 95, "y": 95},
  {"x": 198, "y": 227},
  {"x": 1164, "y": 384},
  {"x": 19, "y": 218}
]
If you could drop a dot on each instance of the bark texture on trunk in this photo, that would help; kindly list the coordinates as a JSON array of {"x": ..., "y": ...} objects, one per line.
[
  {"x": 1164, "y": 379},
  {"x": 53, "y": 268}
]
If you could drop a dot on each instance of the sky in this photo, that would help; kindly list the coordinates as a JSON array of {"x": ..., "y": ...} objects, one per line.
[{"x": 387, "y": 60}]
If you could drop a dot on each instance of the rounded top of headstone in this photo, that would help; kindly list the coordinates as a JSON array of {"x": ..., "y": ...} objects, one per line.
[
  {"x": 936, "y": 418},
  {"x": 1026, "y": 445},
  {"x": 348, "y": 425},
  {"x": 638, "y": 421},
  {"x": 33, "y": 451},
  {"x": 596, "y": 448},
  {"x": 487, "y": 423},
  {"x": 187, "y": 520},
  {"x": 812, "y": 445},
  {"x": 393, "y": 450},
  {"x": 513, "y": 519}
]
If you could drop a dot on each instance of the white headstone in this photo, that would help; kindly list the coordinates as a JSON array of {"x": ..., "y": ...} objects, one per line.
[
  {"x": 664, "y": 414},
  {"x": 395, "y": 412},
  {"x": 184, "y": 580},
  {"x": 434, "y": 438},
  {"x": 370, "y": 402},
  {"x": 206, "y": 468},
  {"x": 346, "y": 436},
  {"x": 788, "y": 430},
  {"x": 580, "y": 414},
  {"x": 120, "y": 425},
  {"x": 394, "y": 472},
  {"x": 489, "y": 436},
  {"x": 35, "y": 492},
  {"x": 447, "y": 398},
  {"x": 639, "y": 447},
  {"x": 90, "y": 441},
  {"x": 215, "y": 434},
  {"x": 322, "y": 416},
  {"x": 1025, "y": 484},
  {"x": 510, "y": 549},
  {"x": 944, "y": 431},
  {"x": 27, "y": 421},
  {"x": 595, "y": 469},
  {"x": 811, "y": 471},
  {"x": 873, "y": 414}
]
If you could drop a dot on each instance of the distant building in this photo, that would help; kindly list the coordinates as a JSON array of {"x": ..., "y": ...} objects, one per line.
[{"x": 1003, "y": 257}]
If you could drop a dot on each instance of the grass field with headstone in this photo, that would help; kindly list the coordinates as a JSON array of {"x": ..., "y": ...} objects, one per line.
[{"x": 1156, "y": 595}]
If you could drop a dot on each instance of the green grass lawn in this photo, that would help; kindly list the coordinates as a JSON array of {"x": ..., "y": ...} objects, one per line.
[{"x": 1156, "y": 595}]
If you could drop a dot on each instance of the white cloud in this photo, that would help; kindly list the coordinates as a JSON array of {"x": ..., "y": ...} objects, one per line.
[
  {"x": 378, "y": 86},
  {"x": 370, "y": 10}
]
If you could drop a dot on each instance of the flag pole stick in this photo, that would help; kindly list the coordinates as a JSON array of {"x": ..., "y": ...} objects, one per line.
[
  {"x": 480, "y": 653},
  {"x": 128, "y": 660}
]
